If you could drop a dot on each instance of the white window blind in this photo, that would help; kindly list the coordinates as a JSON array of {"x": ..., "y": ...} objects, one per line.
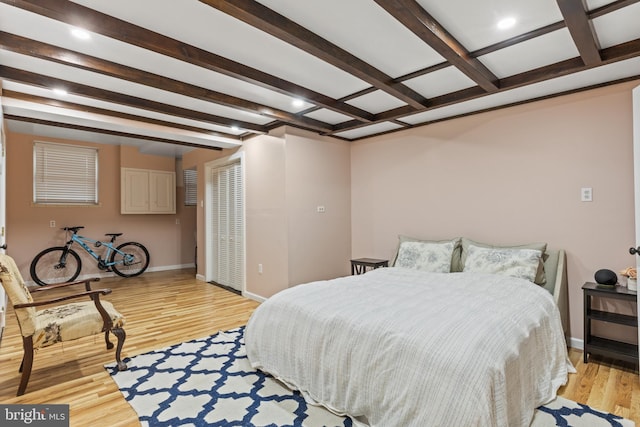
[
  {"x": 190, "y": 187},
  {"x": 65, "y": 174}
]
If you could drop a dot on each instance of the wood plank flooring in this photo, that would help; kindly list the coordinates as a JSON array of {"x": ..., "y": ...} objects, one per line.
[{"x": 164, "y": 308}]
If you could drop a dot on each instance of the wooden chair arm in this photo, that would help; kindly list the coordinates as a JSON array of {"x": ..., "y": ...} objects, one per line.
[
  {"x": 86, "y": 282},
  {"x": 94, "y": 295}
]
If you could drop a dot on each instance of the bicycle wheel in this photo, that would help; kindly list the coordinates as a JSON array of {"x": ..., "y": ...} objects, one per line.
[
  {"x": 130, "y": 259},
  {"x": 48, "y": 267}
]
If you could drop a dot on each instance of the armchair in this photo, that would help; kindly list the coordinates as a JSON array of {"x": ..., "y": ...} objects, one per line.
[{"x": 62, "y": 322}]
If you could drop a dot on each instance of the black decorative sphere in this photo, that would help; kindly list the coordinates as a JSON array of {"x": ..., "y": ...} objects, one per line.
[{"x": 606, "y": 277}]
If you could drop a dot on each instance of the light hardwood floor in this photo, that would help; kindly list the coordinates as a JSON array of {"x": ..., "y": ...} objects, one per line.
[{"x": 164, "y": 308}]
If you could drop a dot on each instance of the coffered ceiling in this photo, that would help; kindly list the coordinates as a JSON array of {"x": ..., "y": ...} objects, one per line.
[{"x": 169, "y": 75}]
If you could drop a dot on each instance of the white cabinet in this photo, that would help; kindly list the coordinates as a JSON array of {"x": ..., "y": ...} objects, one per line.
[{"x": 144, "y": 191}]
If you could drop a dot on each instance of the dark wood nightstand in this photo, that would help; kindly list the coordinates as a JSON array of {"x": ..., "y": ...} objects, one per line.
[
  {"x": 359, "y": 265},
  {"x": 603, "y": 346}
]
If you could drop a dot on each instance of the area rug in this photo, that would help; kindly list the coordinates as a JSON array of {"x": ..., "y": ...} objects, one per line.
[{"x": 209, "y": 382}]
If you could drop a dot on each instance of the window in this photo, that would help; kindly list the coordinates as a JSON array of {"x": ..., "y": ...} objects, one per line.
[
  {"x": 190, "y": 187},
  {"x": 65, "y": 174}
]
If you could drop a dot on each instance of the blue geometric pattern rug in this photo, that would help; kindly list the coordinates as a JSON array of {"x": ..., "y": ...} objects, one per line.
[{"x": 209, "y": 382}]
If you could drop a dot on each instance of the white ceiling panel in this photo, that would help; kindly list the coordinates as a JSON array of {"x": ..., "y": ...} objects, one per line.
[
  {"x": 369, "y": 130},
  {"x": 363, "y": 30},
  {"x": 534, "y": 53},
  {"x": 212, "y": 30},
  {"x": 144, "y": 146},
  {"x": 88, "y": 78},
  {"x": 376, "y": 102},
  {"x": 56, "y": 33},
  {"x": 618, "y": 27},
  {"x": 575, "y": 81},
  {"x": 328, "y": 116},
  {"x": 594, "y": 4},
  {"x": 473, "y": 23},
  {"x": 440, "y": 82},
  {"x": 80, "y": 100},
  {"x": 346, "y": 68},
  {"x": 79, "y": 118}
]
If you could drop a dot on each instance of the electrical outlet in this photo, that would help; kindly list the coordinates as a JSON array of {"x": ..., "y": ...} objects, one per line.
[
  {"x": 259, "y": 268},
  {"x": 586, "y": 194},
  {"x": 52, "y": 224},
  {"x": 177, "y": 221},
  {"x": 321, "y": 209}
]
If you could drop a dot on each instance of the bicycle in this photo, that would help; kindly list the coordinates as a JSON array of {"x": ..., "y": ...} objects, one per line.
[{"x": 61, "y": 264}]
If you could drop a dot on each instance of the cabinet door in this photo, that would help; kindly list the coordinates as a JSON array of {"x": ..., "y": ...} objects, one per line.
[
  {"x": 162, "y": 192},
  {"x": 134, "y": 191}
]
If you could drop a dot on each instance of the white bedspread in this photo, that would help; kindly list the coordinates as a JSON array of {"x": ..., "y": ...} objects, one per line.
[{"x": 399, "y": 347}]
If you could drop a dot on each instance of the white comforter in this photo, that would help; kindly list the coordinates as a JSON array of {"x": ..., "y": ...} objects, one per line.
[{"x": 399, "y": 347}]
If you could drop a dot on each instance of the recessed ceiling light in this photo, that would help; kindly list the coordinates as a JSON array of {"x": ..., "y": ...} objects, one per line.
[
  {"x": 506, "y": 23},
  {"x": 80, "y": 33},
  {"x": 297, "y": 102},
  {"x": 60, "y": 91}
]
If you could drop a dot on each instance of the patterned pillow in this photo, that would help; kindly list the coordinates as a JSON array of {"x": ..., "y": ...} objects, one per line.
[
  {"x": 426, "y": 256},
  {"x": 521, "y": 263},
  {"x": 541, "y": 276}
]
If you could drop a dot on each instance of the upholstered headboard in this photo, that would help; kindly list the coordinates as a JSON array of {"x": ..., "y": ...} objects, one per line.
[
  {"x": 555, "y": 271},
  {"x": 555, "y": 268}
]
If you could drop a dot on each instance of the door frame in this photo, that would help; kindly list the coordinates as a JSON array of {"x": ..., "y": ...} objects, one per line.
[
  {"x": 636, "y": 178},
  {"x": 208, "y": 215}
]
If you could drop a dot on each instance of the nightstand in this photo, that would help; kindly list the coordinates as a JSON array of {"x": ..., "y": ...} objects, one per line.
[
  {"x": 603, "y": 346},
  {"x": 359, "y": 265}
]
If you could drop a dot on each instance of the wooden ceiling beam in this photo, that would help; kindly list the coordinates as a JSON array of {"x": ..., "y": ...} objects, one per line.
[
  {"x": 105, "y": 131},
  {"x": 581, "y": 30},
  {"x": 70, "y": 58},
  {"x": 111, "y": 113},
  {"x": 410, "y": 14},
  {"x": 610, "y": 55},
  {"x": 47, "y": 82},
  {"x": 271, "y": 22},
  {"x": 91, "y": 20}
]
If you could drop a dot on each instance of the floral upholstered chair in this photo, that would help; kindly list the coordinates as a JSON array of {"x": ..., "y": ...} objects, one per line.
[{"x": 60, "y": 322}]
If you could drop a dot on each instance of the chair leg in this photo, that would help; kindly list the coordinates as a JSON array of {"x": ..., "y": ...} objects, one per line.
[
  {"x": 106, "y": 340},
  {"x": 27, "y": 363},
  {"x": 121, "y": 335}
]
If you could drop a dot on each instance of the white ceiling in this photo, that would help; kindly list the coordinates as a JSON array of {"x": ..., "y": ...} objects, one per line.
[{"x": 168, "y": 75}]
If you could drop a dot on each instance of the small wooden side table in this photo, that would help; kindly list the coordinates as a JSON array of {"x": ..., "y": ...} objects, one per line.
[
  {"x": 602, "y": 346},
  {"x": 359, "y": 265}
]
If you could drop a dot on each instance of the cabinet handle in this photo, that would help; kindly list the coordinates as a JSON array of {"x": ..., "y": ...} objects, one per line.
[
  {"x": 4, "y": 246},
  {"x": 634, "y": 251}
]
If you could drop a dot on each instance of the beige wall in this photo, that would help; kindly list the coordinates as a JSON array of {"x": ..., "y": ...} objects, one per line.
[
  {"x": 28, "y": 230},
  {"x": 508, "y": 176},
  {"x": 288, "y": 174}
]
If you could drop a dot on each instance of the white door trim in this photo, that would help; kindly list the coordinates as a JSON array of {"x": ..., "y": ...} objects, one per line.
[{"x": 208, "y": 215}]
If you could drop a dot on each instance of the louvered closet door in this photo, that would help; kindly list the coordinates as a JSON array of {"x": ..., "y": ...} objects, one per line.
[{"x": 228, "y": 225}]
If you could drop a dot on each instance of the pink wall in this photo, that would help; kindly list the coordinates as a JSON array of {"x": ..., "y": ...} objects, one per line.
[
  {"x": 509, "y": 176},
  {"x": 170, "y": 245}
]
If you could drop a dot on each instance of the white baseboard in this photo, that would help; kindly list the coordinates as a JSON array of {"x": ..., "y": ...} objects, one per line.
[
  {"x": 576, "y": 343},
  {"x": 200, "y": 277},
  {"x": 253, "y": 296},
  {"x": 172, "y": 267}
]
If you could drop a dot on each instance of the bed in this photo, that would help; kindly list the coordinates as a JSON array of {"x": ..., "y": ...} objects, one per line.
[{"x": 406, "y": 346}]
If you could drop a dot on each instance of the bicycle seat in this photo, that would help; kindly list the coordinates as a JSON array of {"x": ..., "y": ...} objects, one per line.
[
  {"x": 74, "y": 229},
  {"x": 113, "y": 234}
]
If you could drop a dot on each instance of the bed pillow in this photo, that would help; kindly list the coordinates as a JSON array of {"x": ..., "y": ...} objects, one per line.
[
  {"x": 521, "y": 263},
  {"x": 541, "y": 277},
  {"x": 434, "y": 257}
]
